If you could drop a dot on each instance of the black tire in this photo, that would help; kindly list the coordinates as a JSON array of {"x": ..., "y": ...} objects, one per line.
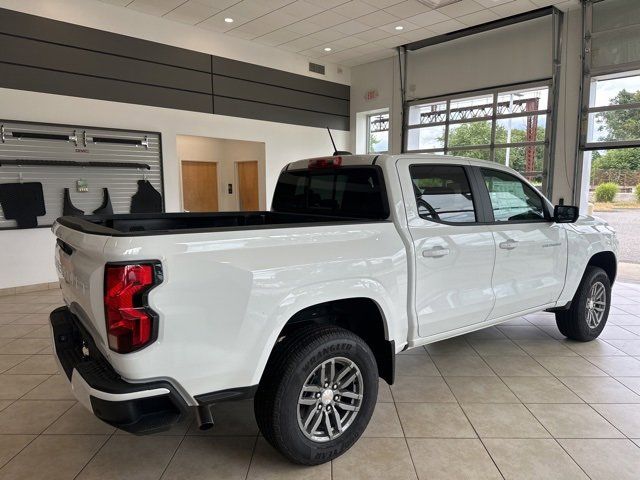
[
  {"x": 574, "y": 322},
  {"x": 294, "y": 359}
]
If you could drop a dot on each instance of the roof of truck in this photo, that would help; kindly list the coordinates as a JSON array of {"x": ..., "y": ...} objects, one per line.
[{"x": 383, "y": 158}]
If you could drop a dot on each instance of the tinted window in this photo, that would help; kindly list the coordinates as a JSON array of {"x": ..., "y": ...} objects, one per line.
[
  {"x": 344, "y": 191},
  {"x": 511, "y": 198},
  {"x": 442, "y": 193}
]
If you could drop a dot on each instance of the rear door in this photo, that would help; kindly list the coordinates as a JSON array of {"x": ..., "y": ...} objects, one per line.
[
  {"x": 531, "y": 250},
  {"x": 454, "y": 253}
]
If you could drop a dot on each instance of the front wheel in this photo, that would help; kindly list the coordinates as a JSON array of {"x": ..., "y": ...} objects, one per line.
[
  {"x": 587, "y": 316},
  {"x": 317, "y": 394}
]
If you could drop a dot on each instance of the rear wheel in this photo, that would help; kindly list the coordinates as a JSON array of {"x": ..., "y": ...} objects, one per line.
[
  {"x": 317, "y": 394},
  {"x": 587, "y": 316}
]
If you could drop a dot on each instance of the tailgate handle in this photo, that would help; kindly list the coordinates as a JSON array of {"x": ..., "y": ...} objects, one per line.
[{"x": 65, "y": 247}]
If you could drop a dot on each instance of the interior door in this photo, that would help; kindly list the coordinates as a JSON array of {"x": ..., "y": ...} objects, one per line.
[
  {"x": 200, "y": 186},
  {"x": 248, "y": 186},
  {"x": 531, "y": 250},
  {"x": 454, "y": 255}
]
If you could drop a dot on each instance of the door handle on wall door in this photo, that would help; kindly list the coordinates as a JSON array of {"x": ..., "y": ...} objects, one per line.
[
  {"x": 508, "y": 244},
  {"x": 435, "y": 252}
]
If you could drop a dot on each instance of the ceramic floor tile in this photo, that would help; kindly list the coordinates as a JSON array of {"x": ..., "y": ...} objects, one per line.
[
  {"x": 384, "y": 422},
  {"x": 614, "y": 332},
  {"x": 453, "y": 346},
  {"x": 496, "y": 347},
  {"x": 10, "y": 361},
  {"x": 504, "y": 421},
  {"x": 462, "y": 366},
  {"x": 570, "y": 367},
  {"x": 601, "y": 390},
  {"x": 384, "y": 392},
  {"x": 596, "y": 347},
  {"x": 416, "y": 365},
  {"x": 516, "y": 366},
  {"x": 35, "y": 365},
  {"x": 522, "y": 332},
  {"x": 375, "y": 458},
  {"x": 632, "y": 383},
  {"x": 53, "y": 457},
  {"x": 231, "y": 419},
  {"x": 533, "y": 459},
  {"x": 56, "y": 387},
  {"x": 480, "y": 390},
  {"x": 546, "y": 346},
  {"x": 630, "y": 347},
  {"x": 626, "y": 417},
  {"x": 268, "y": 464},
  {"x": 25, "y": 346},
  {"x": 434, "y": 420},
  {"x": 10, "y": 446},
  {"x": 622, "y": 458},
  {"x": 79, "y": 420},
  {"x": 448, "y": 459},
  {"x": 16, "y": 331},
  {"x": 617, "y": 366},
  {"x": 31, "y": 416},
  {"x": 13, "y": 387},
  {"x": 32, "y": 319},
  {"x": 131, "y": 457},
  {"x": 541, "y": 390},
  {"x": 573, "y": 421},
  {"x": 421, "y": 389}
]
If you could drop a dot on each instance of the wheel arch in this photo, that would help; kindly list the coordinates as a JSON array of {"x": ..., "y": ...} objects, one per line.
[{"x": 607, "y": 261}]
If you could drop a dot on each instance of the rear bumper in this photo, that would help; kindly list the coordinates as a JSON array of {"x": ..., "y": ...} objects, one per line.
[{"x": 138, "y": 408}]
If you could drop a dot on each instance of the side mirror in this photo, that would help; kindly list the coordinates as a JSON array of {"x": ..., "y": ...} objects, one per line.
[{"x": 565, "y": 214}]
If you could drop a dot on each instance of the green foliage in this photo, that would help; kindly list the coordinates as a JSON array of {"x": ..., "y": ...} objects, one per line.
[
  {"x": 624, "y": 159},
  {"x": 373, "y": 141},
  {"x": 621, "y": 124},
  {"x": 606, "y": 192},
  {"x": 638, "y": 192}
]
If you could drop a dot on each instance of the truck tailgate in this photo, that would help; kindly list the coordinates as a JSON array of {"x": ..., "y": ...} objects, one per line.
[{"x": 80, "y": 264}]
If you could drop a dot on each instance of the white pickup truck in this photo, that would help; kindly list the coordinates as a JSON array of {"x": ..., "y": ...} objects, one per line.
[{"x": 303, "y": 307}]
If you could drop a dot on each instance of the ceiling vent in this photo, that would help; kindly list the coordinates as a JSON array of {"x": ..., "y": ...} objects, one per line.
[
  {"x": 438, "y": 3},
  {"x": 316, "y": 68}
]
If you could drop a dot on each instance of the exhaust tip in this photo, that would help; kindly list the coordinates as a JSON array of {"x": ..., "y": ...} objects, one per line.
[{"x": 205, "y": 418}]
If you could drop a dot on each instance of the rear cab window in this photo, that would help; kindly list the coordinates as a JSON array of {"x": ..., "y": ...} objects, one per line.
[{"x": 349, "y": 191}]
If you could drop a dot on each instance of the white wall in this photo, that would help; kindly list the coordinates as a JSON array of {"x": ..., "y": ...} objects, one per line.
[
  {"x": 225, "y": 153},
  {"x": 26, "y": 256},
  {"x": 514, "y": 54},
  {"x": 95, "y": 14}
]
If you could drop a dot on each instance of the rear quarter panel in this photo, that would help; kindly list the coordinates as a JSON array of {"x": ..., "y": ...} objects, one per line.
[{"x": 226, "y": 296}]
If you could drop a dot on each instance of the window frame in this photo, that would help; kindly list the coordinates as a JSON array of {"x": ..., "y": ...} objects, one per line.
[
  {"x": 493, "y": 118},
  {"x": 368, "y": 118}
]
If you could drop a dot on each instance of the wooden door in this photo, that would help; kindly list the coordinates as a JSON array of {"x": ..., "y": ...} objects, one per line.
[
  {"x": 200, "y": 186},
  {"x": 248, "y": 186}
]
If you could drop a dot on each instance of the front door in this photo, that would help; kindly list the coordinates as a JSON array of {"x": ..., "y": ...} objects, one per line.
[
  {"x": 200, "y": 186},
  {"x": 454, "y": 255},
  {"x": 531, "y": 250}
]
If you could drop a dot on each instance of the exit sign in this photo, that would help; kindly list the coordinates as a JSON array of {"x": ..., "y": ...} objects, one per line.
[{"x": 371, "y": 94}]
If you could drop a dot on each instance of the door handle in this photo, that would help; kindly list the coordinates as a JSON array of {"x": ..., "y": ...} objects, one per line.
[
  {"x": 435, "y": 252},
  {"x": 508, "y": 244}
]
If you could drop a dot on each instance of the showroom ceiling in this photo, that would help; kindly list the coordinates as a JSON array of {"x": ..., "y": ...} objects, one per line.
[{"x": 338, "y": 31}]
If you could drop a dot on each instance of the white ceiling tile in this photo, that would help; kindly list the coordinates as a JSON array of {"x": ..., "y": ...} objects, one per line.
[
  {"x": 347, "y": 42},
  {"x": 120, "y": 3},
  {"x": 458, "y": 9},
  {"x": 191, "y": 13},
  {"x": 568, "y": 5},
  {"x": 219, "y": 4},
  {"x": 492, "y": 3},
  {"x": 304, "y": 27},
  {"x": 447, "y": 27},
  {"x": 391, "y": 41},
  {"x": 254, "y": 28},
  {"x": 248, "y": 9},
  {"x": 477, "y": 18},
  {"x": 302, "y": 43},
  {"x": 277, "y": 19},
  {"x": 407, "y": 9},
  {"x": 429, "y": 18},
  {"x": 406, "y": 25},
  {"x": 278, "y": 36},
  {"x": 377, "y": 18},
  {"x": 217, "y": 23},
  {"x": 373, "y": 35},
  {"x": 382, "y": 3},
  {"x": 420, "y": 34},
  {"x": 301, "y": 9},
  {"x": 241, "y": 34},
  {"x": 326, "y": 4},
  {"x": 155, "y": 7},
  {"x": 327, "y": 19},
  {"x": 328, "y": 35},
  {"x": 514, "y": 8},
  {"x": 354, "y": 9},
  {"x": 351, "y": 27}
]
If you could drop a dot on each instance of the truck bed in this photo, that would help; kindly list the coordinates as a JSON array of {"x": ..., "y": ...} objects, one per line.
[{"x": 168, "y": 223}]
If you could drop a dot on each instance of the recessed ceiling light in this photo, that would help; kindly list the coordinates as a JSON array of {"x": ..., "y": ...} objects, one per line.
[
  {"x": 228, "y": 20},
  {"x": 399, "y": 27},
  {"x": 327, "y": 49}
]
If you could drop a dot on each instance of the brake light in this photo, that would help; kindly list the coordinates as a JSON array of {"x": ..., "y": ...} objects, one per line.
[
  {"x": 131, "y": 324},
  {"x": 325, "y": 162}
]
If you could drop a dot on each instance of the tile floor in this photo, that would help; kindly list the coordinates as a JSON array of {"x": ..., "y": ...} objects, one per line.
[{"x": 516, "y": 401}]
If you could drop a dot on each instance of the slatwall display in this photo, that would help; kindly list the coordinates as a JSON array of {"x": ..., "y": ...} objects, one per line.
[{"x": 36, "y": 144}]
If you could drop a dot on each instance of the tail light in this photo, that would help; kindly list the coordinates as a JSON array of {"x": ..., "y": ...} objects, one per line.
[
  {"x": 131, "y": 324},
  {"x": 325, "y": 162}
]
